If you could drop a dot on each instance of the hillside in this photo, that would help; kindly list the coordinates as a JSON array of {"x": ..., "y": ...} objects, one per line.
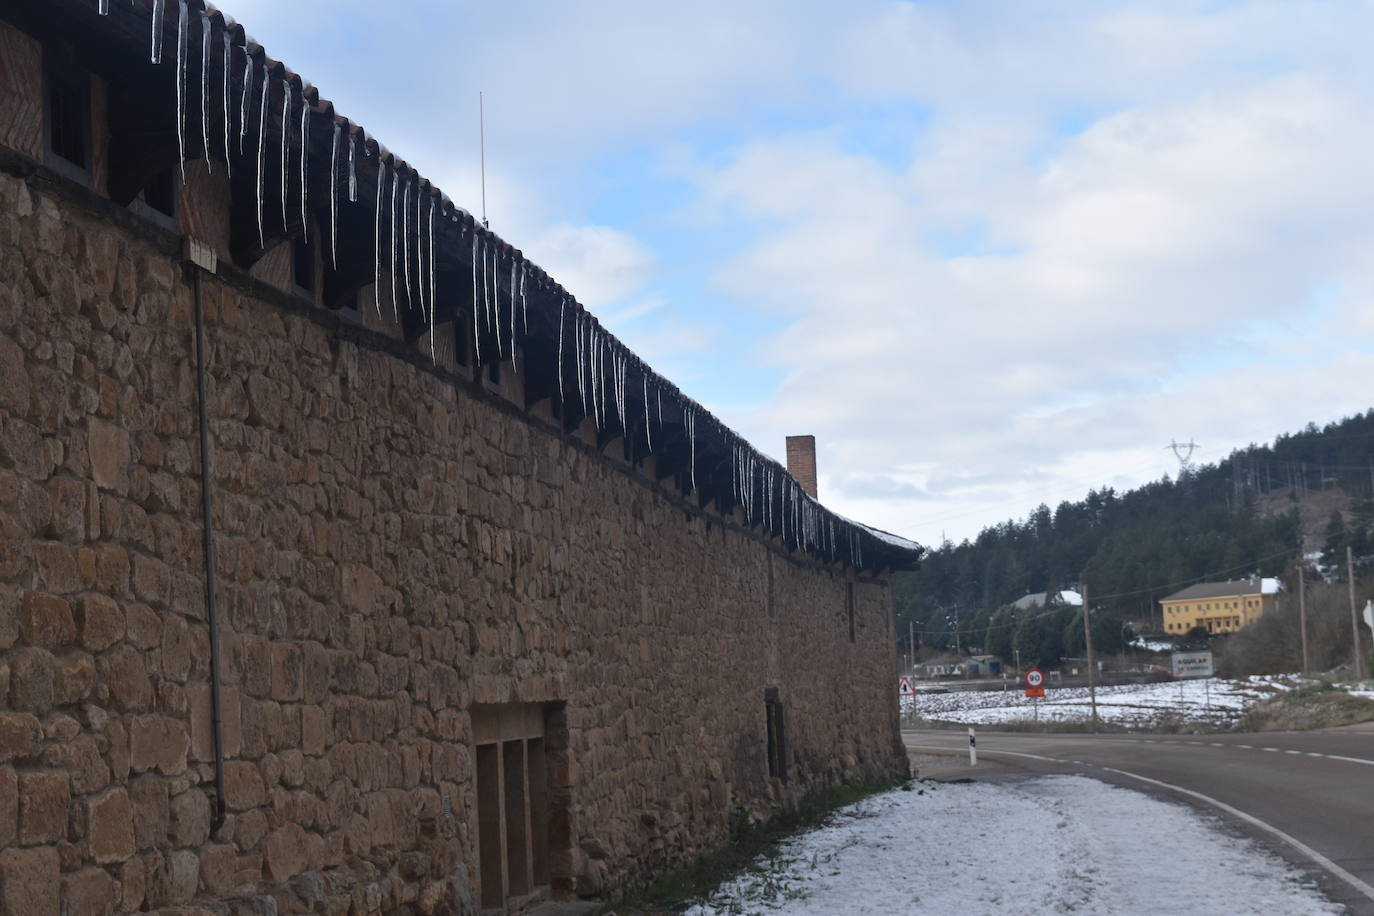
[{"x": 1252, "y": 513}]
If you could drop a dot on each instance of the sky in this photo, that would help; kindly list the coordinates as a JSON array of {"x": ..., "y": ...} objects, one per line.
[{"x": 990, "y": 254}]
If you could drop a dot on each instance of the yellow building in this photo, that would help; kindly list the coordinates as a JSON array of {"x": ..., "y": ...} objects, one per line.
[{"x": 1218, "y": 607}]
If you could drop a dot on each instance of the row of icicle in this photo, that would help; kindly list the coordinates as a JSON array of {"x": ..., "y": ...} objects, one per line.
[{"x": 764, "y": 491}]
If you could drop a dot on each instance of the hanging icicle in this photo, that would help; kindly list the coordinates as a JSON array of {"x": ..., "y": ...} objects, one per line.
[
  {"x": 228, "y": 47},
  {"x": 581, "y": 383},
  {"x": 648, "y": 433},
  {"x": 476, "y": 339},
  {"x": 181, "y": 86},
  {"x": 690, "y": 420},
  {"x": 562, "y": 315},
  {"x": 405, "y": 237},
  {"x": 262, "y": 154},
  {"x": 244, "y": 102},
  {"x": 205, "y": 91},
  {"x": 395, "y": 304},
  {"x": 433, "y": 283},
  {"x": 514, "y": 364},
  {"x": 334, "y": 197},
  {"x": 377, "y": 239},
  {"x": 305, "y": 160},
  {"x": 285, "y": 148},
  {"x": 159, "y": 13},
  {"x": 104, "y": 7},
  {"x": 352, "y": 169},
  {"x": 524, "y": 304}
]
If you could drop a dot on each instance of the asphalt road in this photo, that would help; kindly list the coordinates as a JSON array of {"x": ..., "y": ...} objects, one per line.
[{"x": 1308, "y": 796}]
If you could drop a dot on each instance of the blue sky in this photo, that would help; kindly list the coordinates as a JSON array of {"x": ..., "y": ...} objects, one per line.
[{"x": 990, "y": 254}]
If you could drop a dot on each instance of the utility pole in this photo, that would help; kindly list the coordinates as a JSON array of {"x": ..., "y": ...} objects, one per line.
[
  {"x": 1088, "y": 638},
  {"x": 1354, "y": 615},
  {"x": 911, "y": 644},
  {"x": 1302, "y": 614}
]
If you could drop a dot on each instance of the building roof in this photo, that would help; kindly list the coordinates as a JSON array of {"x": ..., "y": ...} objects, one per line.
[
  {"x": 1037, "y": 599},
  {"x": 205, "y": 86},
  {"x": 1228, "y": 589}
]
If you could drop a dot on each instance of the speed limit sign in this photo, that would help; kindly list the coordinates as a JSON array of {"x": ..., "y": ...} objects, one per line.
[{"x": 1035, "y": 678}]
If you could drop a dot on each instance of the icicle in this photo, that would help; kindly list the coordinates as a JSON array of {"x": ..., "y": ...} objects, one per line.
[
  {"x": 352, "y": 171},
  {"x": 228, "y": 111},
  {"x": 691, "y": 419},
  {"x": 159, "y": 14},
  {"x": 581, "y": 383},
  {"x": 648, "y": 433},
  {"x": 285, "y": 147},
  {"x": 181, "y": 85},
  {"x": 476, "y": 339},
  {"x": 524, "y": 304},
  {"x": 104, "y": 7},
  {"x": 334, "y": 197},
  {"x": 486, "y": 292},
  {"x": 205, "y": 91},
  {"x": 562, "y": 315},
  {"x": 433, "y": 284},
  {"x": 419, "y": 250},
  {"x": 243, "y": 103},
  {"x": 305, "y": 160},
  {"x": 513, "y": 267},
  {"x": 495, "y": 316},
  {"x": 377, "y": 239},
  {"x": 405, "y": 238},
  {"x": 262, "y": 154},
  {"x": 395, "y": 305}
]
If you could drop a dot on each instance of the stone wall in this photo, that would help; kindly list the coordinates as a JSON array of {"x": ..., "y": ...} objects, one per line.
[{"x": 394, "y": 546}]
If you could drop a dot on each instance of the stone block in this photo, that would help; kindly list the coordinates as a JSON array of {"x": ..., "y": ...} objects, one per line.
[
  {"x": 183, "y": 867},
  {"x": 152, "y": 580},
  {"x": 101, "y": 621},
  {"x": 133, "y": 885},
  {"x": 89, "y": 892},
  {"x": 157, "y": 742},
  {"x": 286, "y": 672},
  {"x": 19, "y": 735},
  {"x": 14, "y": 378},
  {"x": 57, "y": 568},
  {"x": 43, "y": 799},
  {"x": 314, "y": 730},
  {"x": 202, "y": 733},
  {"x": 176, "y": 648},
  {"x": 218, "y": 865},
  {"x": 124, "y": 675},
  {"x": 107, "y": 448},
  {"x": 151, "y": 806},
  {"x": 31, "y": 680},
  {"x": 46, "y": 621},
  {"x": 30, "y": 882},
  {"x": 144, "y": 626},
  {"x": 9, "y": 806},
  {"x": 73, "y": 677},
  {"x": 243, "y": 786},
  {"x": 285, "y": 853},
  {"x": 110, "y": 827},
  {"x": 191, "y": 817},
  {"x": 112, "y": 569}
]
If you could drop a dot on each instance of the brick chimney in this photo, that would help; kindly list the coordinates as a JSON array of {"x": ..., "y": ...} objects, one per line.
[{"x": 801, "y": 462}]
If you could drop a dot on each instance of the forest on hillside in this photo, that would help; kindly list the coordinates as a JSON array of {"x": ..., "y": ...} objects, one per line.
[{"x": 1236, "y": 518}]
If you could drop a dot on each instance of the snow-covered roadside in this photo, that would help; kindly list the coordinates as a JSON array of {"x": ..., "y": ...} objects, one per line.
[
  {"x": 1055, "y": 844},
  {"x": 1208, "y": 701}
]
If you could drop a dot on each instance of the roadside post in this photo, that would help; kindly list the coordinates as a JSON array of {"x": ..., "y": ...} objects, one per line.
[
  {"x": 972, "y": 748},
  {"x": 1035, "y": 689}
]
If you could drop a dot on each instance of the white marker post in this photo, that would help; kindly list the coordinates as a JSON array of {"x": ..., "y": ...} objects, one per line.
[{"x": 972, "y": 748}]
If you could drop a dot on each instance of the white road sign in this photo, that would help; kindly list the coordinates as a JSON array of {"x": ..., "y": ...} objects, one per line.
[
  {"x": 1369, "y": 614},
  {"x": 1192, "y": 664},
  {"x": 1035, "y": 678}
]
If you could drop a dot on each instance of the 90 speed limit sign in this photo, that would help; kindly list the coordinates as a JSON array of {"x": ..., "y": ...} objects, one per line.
[{"x": 1035, "y": 678}]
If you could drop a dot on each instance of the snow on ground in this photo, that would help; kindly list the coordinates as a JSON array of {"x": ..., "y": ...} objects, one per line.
[
  {"x": 1204, "y": 701},
  {"x": 1054, "y": 844}
]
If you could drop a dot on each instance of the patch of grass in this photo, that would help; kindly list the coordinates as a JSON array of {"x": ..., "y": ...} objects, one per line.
[
  {"x": 753, "y": 852},
  {"x": 1307, "y": 708}
]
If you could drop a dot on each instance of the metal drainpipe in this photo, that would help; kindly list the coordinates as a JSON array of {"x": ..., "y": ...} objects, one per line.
[{"x": 203, "y": 258}]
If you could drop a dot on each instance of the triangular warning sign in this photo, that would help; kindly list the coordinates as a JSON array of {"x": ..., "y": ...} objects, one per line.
[{"x": 904, "y": 687}]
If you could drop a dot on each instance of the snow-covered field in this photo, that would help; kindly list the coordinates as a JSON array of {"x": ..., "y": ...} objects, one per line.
[
  {"x": 1055, "y": 844},
  {"x": 1210, "y": 702}
]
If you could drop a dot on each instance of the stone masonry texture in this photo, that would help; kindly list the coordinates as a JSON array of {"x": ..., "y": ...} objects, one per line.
[{"x": 394, "y": 546}]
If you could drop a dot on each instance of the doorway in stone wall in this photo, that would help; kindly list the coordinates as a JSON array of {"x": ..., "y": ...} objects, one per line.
[{"x": 516, "y": 748}]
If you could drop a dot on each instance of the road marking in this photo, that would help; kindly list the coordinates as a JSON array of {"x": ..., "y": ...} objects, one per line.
[
  {"x": 1217, "y": 744},
  {"x": 1293, "y": 841},
  {"x": 1349, "y": 759},
  {"x": 1272, "y": 750},
  {"x": 1248, "y": 747}
]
